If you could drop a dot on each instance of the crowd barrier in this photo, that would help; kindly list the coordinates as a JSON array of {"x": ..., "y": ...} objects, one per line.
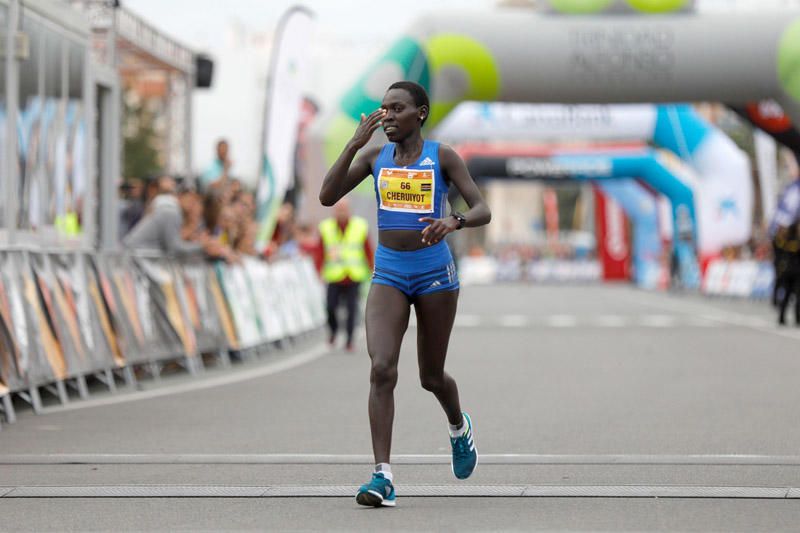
[
  {"x": 741, "y": 279},
  {"x": 68, "y": 316}
]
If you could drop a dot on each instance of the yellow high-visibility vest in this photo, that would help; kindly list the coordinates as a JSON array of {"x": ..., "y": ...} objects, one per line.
[{"x": 344, "y": 252}]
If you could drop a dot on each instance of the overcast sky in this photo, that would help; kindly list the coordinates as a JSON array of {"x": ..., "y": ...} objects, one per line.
[{"x": 199, "y": 23}]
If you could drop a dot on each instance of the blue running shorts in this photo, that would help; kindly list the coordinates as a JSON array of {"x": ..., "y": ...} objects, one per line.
[{"x": 417, "y": 272}]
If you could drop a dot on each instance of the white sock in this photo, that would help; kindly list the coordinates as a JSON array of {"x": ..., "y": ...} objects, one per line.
[
  {"x": 386, "y": 470},
  {"x": 457, "y": 431}
]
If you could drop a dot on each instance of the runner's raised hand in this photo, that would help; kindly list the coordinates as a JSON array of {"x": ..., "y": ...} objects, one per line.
[{"x": 367, "y": 127}]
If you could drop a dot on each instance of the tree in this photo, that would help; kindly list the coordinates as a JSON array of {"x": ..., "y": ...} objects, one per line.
[{"x": 140, "y": 156}]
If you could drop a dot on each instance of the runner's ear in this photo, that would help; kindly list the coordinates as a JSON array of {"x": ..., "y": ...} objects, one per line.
[{"x": 423, "y": 113}]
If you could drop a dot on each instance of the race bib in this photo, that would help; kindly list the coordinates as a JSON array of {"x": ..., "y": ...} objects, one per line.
[{"x": 406, "y": 190}]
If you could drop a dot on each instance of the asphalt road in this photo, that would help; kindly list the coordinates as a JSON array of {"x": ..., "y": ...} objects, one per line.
[{"x": 595, "y": 408}]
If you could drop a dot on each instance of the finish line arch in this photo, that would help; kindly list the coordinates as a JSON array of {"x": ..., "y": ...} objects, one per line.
[
  {"x": 638, "y": 202},
  {"x": 521, "y": 55},
  {"x": 720, "y": 171},
  {"x": 644, "y": 165}
]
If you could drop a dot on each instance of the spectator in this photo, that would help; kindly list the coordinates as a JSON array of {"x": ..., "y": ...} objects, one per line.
[
  {"x": 348, "y": 263},
  {"x": 191, "y": 203},
  {"x": 219, "y": 170},
  {"x": 787, "y": 271},
  {"x": 160, "y": 228},
  {"x": 244, "y": 204},
  {"x": 786, "y": 214},
  {"x": 131, "y": 206}
]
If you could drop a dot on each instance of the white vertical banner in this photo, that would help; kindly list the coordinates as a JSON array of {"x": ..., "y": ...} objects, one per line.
[
  {"x": 285, "y": 84},
  {"x": 767, "y": 162}
]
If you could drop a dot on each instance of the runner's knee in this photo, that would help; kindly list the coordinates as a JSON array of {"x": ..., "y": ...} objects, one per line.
[
  {"x": 383, "y": 375},
  {"x": 432, "y": 384}
]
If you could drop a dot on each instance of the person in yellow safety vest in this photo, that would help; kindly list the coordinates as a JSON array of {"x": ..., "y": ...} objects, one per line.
[{"x": 347, "y": 263}]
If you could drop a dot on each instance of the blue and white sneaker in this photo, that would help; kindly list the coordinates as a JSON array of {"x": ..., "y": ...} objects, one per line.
[
  {"x": 378, "y": 492},
  {"x": 465, "y": 454}
]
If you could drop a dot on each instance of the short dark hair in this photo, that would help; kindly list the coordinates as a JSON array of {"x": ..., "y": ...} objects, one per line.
[{"x": 417, "y": 93}]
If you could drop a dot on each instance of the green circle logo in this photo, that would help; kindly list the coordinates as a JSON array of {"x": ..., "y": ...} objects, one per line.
[
  {"x": 789, "y": 60},
  {"x": 657, "y": 6},
  {"x": 580, "y": 7},
  {"x": 463, "y": 58}
]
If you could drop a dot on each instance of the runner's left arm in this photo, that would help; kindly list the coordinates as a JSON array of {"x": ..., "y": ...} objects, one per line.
[{"x": 478, "y": 214}]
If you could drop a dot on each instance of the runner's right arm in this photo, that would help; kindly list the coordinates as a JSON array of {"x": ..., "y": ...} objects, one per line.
[{"x": 345, "y": 174}]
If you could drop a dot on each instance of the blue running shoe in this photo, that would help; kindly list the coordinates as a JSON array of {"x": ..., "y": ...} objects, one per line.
[
  {"x": 378, "y": 492},
  {"x": 465, "y": 454}
]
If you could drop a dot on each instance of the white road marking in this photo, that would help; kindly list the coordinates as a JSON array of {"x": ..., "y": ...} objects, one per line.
[
  {"x": 420, "y": 491},
  {"x": 200, "y": 383},
  {"x": 513, "y": 321},
  {"x": 657, "y": 321},
  {"x": 703, "y": 310},
  {"x": 467, "y": 321},
  {"x": 408, "y": 459},
  {"x": 611, "y": 321},
  {"x": 561, "y": 321}
]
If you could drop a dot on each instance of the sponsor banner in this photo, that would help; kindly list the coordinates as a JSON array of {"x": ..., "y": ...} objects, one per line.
[
  {"x": 107, "y": 336},
  {"x": 741, "y": 279},
  {"x": 68, "y": 314},
  {"x": 125, "y": 292},
  {"x": 313, "y": 290},
  {"x": 222, "y": 308},
  {"x": 244, "y": 310},
  {"x": 767, "y": 163},
  {"x": 282, "y": 277},
  {"x": 123, "y": 331},
  {"x": 62, "y": 317},
  {"x": 497, "y": 121},
  {"x": 16, "y": 359},
  {"x": 203, "y": 312},
  {"x": 172, "y": 334},
  {"x": 613, "y": 239},
  {"x": 49, "y": 363},
  {"x": 267, "y": 298},
  {"x": 640, "y": 207},
  {"x": 289, "y": 69}
]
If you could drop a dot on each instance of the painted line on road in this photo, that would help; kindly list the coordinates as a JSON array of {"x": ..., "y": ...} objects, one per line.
[
  {"x": 512, "y": 321},
  {"x": 658, "y": 321},
  {"x": 709, "y": 312},
  {"x": 611, "y": 321},
  {"x": 407, "y": 459},
  {"x": 423, "y": 491},
  {"x": 291, "y": 361},
  {"x": 561, "y": 321}
]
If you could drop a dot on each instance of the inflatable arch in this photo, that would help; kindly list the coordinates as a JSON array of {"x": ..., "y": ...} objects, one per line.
[
  {"x": 641, "y": 208},
  {"x": 645, "y": 165},
  {"x": 636, "y": 201},
  {"x": 521, "y": 55},
  {"x": 720, "y": 172}
]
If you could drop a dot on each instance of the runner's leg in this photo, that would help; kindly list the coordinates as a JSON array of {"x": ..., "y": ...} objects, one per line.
[
  {"x": 436, "y": 313},
  {"x": 386, "y": 322}
]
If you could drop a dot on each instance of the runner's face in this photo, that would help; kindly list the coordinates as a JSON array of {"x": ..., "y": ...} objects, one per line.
[{"x": 403, "y": 117}]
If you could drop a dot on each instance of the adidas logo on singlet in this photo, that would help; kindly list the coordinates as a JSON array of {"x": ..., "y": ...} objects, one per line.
[{"x": 427, "y": 161}]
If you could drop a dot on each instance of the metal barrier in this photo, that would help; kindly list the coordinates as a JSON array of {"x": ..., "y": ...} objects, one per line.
[{"x": 68, "y": 316}]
